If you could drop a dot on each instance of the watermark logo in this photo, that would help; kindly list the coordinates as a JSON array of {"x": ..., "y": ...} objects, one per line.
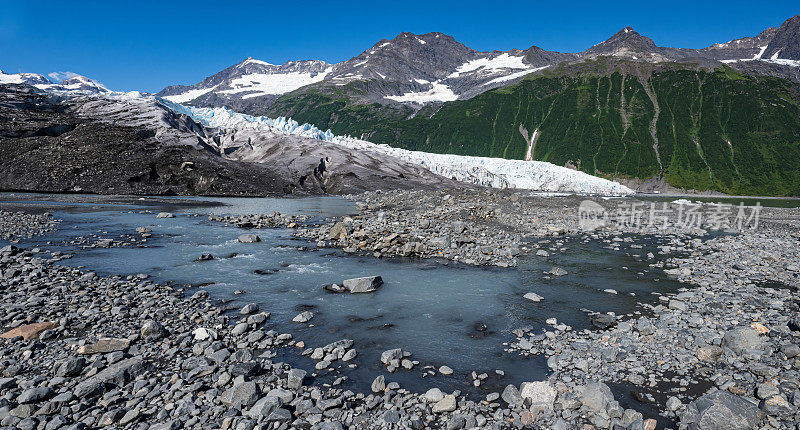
[
  {"x": 680, "y": 214},
  {"x": 591, "y": 215}
]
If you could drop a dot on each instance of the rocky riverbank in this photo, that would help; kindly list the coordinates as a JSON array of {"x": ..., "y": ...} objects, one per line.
[
  {"x": 83, "y": 351},
  {"x": 16, "y": 225},
  {"x": 86, "y": 351}
]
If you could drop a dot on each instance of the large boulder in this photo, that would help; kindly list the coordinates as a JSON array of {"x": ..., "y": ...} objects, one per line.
[
  {"x": 595, "y": 396},
  {"x": 541, "y": 394},
  {"x": 365, "y": 284},
  {"x": 241, "y": 395},
  {"x": 741, "y": 339},
  {"x": 719, "y": 410}
]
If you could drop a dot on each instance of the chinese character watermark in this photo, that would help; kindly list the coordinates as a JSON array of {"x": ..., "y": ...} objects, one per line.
[{"x": 681, "y": 214}]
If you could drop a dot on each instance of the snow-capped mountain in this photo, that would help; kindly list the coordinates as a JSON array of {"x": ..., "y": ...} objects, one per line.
[
  {"x": 249, "y": 82},
  {"x": 415, "y": 70},
  {"x": 73, "y": 83}
]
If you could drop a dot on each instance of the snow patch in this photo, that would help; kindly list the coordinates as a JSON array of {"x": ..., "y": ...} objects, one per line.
[
  {"x": 490, "y": 65},
  {"x": 438, "y": 93},
  {"x": 189, "y": 95},
  {"x": 261, "y": 84},
  {"x": 514, "y": 75}
]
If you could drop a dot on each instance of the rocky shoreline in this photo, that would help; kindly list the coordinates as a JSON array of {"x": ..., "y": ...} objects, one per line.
[{"x": 125, "y": 352}]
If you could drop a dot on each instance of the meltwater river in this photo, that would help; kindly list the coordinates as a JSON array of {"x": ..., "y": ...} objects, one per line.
[{"x": 429, "y": 308}]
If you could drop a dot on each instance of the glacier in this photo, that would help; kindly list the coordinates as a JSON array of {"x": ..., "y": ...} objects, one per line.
[{"x": 484, "y": 171}]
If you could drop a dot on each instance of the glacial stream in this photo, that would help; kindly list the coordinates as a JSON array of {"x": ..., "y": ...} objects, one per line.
[{"x": 429, "y": 308}]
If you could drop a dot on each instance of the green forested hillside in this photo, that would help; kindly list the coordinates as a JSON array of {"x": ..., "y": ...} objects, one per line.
[{"x": 713, "y": 129}]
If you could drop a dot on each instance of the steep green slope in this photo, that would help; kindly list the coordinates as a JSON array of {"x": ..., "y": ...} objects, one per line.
[{"x": 715, "y": 129}]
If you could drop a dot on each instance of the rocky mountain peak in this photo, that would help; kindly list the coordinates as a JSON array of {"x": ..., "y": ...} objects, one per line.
[{"x": 785, "y": 44}]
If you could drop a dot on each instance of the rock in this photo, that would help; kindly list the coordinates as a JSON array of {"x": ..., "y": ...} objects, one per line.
[
  {"x": 391, "y": 354},
  {"x": 249, "y": 238},
  {"x": 33, "y": 395},
  {"x": 70, "y": 367},
  {"x": 243, "y": 394},
  {"x": 678, "y": 305},
  {"x": 264, "y": 407},
  {"x": 557, "y": 271},
  {"x": 765, "y": 391},
  {"x": 719, "y": 410},
  {"x": 119, "y": 374},
  {"x": 445, "y": 370},
  {"x": 433, "y": 395},
  {"x": 29, "y": 331},
  {"x": 541, "y": 394},
  {"x": 603, "y": 321},
  {"x": 205, "y": 257},
  {"x": 595, "y": 396},
  {"x": 511, "y": 395},
  {"x": 202, "y": 333},
  {"x": 338, "y": 231},
  {"x": 379, "y": 384},
  {"x": 295, "y": 378},
  {"x": 165, "y": 215},
  {"x": 249, "y": 309},
  {"x": 365, "y": 284},
  {"x": 279, "y": 415},
  {"x": 673, "y": 404},
  {"x": 459, "y": 227},
  {"x": 303, "y": 317},
  {"x": 153, "y": 330},
  {"x": 709, "y": 353},
  {"x": 741, "y": 339},
  {"x": 104, "y": 346},
  {"x": 790, "y": 350},
  {"x": 542, "y": 253},
  {"x": 447, "y": 404},
  {"x": 533, "y": 297}
]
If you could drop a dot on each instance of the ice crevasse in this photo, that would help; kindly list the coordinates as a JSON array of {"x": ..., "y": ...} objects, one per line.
[{"x": 485, "y": 171}]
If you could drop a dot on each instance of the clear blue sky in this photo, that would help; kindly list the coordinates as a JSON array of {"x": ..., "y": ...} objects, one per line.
[{"x": 146, "y": 45}]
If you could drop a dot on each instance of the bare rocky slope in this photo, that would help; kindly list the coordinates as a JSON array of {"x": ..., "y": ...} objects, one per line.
[{"x": 117, "y": 146}]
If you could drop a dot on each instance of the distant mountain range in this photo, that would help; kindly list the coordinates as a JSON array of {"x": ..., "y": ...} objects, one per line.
[
  {"x": 434, "y": 68},
  {"x": 74, "y": 83},
  {"x": 722, "y": 118}
]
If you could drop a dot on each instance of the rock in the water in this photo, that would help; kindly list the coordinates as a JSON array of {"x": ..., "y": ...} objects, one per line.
[
  {"x": 557, "y": 271},
  {"x": 533, "y": 297},
  {"x": 365, "y": 284},
  {"x": 295, "y": 378},
  {"x": 379, "y": 384},
  {"x": 165, "y": 215},
  {"x": 248, "y": 309},
  {"x": 249, "y": 238},
  {"x": 445, "y": 370},
  {"x": 303, "y": 317},
  {"x": 719, "y": 410}
]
